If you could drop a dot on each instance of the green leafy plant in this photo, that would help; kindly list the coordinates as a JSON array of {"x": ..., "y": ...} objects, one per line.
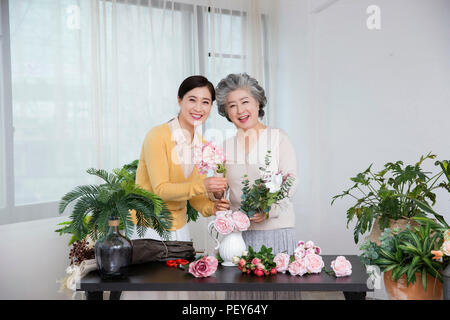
[
  {"x": 192, "y": 214},
  {"x": 259, "y": 197},
  {"x": 407, "y": 252},
  {"x": 396, "y": 192},
  {"x": 95, "y": 205}
]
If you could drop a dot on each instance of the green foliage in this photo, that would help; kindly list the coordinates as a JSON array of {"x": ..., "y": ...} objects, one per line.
[
  {"x": 395, "y": 192},
  {"x": 407, "y": 252},
  {"x": 115, "y": 198},
  {"x": 265, "y": 255},
  {"x": 257, "y": 197}
]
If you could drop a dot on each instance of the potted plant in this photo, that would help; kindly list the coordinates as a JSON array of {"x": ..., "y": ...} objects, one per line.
[
  {"x": 406, "y": 257},
  {"x": 100, "y": 209},
  {"x": 393, "y": 196}
]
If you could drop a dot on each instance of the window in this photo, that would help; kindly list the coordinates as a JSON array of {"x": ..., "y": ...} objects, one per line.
[{"x": 82, "y": 82}]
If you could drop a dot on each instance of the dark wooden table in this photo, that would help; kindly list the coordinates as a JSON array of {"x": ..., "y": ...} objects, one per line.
[{"x": 156, "y": 276}]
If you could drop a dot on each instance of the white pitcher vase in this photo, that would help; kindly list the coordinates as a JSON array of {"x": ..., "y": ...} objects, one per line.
[{"x": 232, "y": 245}]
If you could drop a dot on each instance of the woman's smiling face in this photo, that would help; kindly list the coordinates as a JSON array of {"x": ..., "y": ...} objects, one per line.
[
  {"x": 242, "y": 109},
  {"x": 195, "y": 106}
]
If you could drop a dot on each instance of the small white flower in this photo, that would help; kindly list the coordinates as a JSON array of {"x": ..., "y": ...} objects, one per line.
[
  {"x": 235, "y": 260},
  {"x": 274, "y": 184},
  {"x": 244, "y": 253}
]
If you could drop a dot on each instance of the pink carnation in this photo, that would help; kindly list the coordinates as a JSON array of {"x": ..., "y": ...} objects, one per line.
[
  {"x": 208, "y": 156},
  {"x": 241, "y": 220},
  {"x": 297, "y": 267},
  {"x": 341, "y": 267},
  {"x": 203, "y": 267},
  {"x": 282, "y": 261},
  {"x": 314, "y": 263}
]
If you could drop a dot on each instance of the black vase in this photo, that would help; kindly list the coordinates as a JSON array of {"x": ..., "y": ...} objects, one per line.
[{"x": 113, "y": 253}]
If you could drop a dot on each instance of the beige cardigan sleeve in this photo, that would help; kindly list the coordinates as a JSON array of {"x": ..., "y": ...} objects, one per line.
[{"x": 287, "y": 163}]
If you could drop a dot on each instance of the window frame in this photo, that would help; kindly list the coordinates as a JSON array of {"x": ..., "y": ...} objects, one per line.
[{"x": 12, "y": 213}]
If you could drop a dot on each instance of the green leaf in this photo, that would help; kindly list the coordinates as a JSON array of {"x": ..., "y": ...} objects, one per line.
[{"x": 424, "y": 278}]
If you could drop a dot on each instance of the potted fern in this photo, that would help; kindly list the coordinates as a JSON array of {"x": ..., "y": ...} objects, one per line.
[
  {"x": 393, "y": 196},
  {"x": 99, "y": 210}
]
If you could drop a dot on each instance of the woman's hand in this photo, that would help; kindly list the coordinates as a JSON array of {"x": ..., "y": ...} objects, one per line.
[
  {"x": 215, "y": 184},
  {"x": 221, "y": 205},
  {"x": 258, "y": 217}
]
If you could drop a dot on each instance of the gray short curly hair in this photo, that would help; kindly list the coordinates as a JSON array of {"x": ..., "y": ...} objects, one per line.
[{"x": 236, "y": 81}]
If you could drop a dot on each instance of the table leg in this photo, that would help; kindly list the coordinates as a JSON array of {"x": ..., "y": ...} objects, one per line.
[
  {"x": 115, "y": 295},
  {"x": 94, "y": 295},
  {"x": 355, "y": 295}
]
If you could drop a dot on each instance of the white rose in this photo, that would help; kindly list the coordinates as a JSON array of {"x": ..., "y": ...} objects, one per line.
[{"x": 274, "y": 184}]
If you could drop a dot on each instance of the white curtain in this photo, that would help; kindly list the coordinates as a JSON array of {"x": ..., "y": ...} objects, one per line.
[{"x": 91, "y": 77}]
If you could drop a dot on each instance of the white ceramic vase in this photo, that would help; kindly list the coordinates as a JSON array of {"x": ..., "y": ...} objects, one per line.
[{"x": 232, "y": 245}]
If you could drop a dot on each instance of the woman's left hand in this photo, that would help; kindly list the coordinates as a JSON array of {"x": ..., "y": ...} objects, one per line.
[
  {"x": 258, "y": 217},
  {"x": 221, "y": 205}
]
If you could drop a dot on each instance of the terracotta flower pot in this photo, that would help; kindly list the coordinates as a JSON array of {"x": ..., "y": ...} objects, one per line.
[
  {"x": 414, "y": 291},
  {"x": 400, "y": 223}
]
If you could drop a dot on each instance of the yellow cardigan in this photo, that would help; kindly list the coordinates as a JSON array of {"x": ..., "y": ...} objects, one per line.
[{"x": 157, "y": 173}]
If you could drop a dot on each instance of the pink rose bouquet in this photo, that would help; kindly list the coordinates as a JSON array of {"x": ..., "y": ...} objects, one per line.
[
  {"x": 209, "y": 156},
  {"x": 203, "y": 267},
  {"x": 229, "y": 221},
  {"x": 306, "y": 259},
  {"x": 341, "y": 267}
]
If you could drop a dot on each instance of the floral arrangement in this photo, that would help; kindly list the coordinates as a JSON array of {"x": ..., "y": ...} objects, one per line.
[
  {"x": 229, "y": 221},
  {"x": 269, "y": 189},
  {"x": 202, "y": 267},
  {"x": 209, "y": 156},
  {"x": 305, "y": 260},
  {"x": 259, "y": 263}
]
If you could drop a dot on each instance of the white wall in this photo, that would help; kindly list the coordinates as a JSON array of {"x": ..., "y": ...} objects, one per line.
[
  {"x": 33, "y": 258},
  {"x": 349, "y": 97}
]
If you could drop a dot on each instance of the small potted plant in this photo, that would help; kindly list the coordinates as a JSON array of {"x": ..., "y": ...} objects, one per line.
[
  {"x": 100, "y": 209},
  {"x": 393, "y": 196},
  {"x": 407, "y": 259}
]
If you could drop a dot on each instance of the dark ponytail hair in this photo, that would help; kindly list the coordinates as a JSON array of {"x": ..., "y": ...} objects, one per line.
[{"x": 193, "y": 82}]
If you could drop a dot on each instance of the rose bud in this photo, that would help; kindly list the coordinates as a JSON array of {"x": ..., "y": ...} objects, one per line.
[
  {"x": 259, "y": 273},
  {"x": 248, "y": 271},
  {"x": 242, "y": 262},
  {"x": 273, "y": 271}
]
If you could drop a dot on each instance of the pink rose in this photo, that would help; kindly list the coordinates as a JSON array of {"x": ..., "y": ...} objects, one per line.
[
  {"x": 318, "y": 250},
  {"x": 299, "y": 252},
  {"x": 241, "y": 220},
  {"x": 310, "y": 251},
  {"x": 301, "y": 243},
  {"x": 255, "y": 261},
  {"x": 203, "y": 267},
  {"x": 309, "y": 244},
  {"x": 242, "y": 262},
  {"x": 223, "y": 223},
  {"x": 260, "y": 266},
  {"x": 297, "y": 267},
  {"x": 341, "y": 267},
  {"x": 314, "y": 263},
  {"x": 282, "y": 261}
]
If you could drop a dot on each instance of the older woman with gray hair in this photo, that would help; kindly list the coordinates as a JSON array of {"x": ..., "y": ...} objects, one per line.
[{"x": 241, "y": 100}]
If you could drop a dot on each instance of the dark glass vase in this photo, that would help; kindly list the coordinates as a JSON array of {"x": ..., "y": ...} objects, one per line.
[{"x": 113, "y": 253}]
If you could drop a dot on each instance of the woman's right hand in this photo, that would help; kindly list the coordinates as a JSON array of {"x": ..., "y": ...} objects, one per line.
[
  {"x": 215, "y": 184},
  {"x": 221, "y": 205}
]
